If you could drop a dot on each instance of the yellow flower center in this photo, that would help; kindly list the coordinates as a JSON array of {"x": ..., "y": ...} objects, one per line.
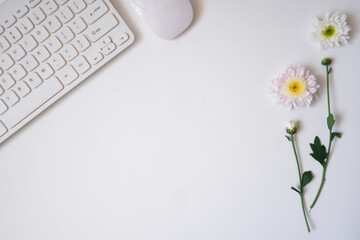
[
  {"x": 295, "y": 87},
  {"x": 329, "y": 31}
]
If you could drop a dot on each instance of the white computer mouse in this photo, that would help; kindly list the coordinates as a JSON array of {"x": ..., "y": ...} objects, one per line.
[{"x": 166, "y": 18}]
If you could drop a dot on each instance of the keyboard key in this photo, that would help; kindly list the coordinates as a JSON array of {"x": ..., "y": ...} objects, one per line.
[
  {"x": 17, "y": 52},
  {"x": 41, "y": 53},
  {"x": 101, "y": 27},
  {"x": 53, "y": 44},
  {"x": 21, "y": 11},
  {"x": 18, "y": 72},
  {"x": 121, "y": 39},
  {"x": 57, "y": 62},
  {"x": 3, "y": 108},
  {"x": 65, "y": 14},
  {"x": 9, "y": 21},
  {"x": 4, "y": 44},
  {"x": 53, "y": 24},
  {"x": 1, "y": 90},
  {"x": 41, "y": 34},
  {"x": 103, "y": 42},
  {"x": 37, "y": 16},
  {"x": 6, "y": 61},
  {"x": 95, "y": 11},
  {"x": 78, "y": 25},
  {"x": 81, "y": 65},
  {"x": 29, "y": 43},
  {"x": 49, "y": 6},
  {"x": 22, "y": 89},
  {"x": 33, "y": 3},
  {"x": 33, "y": 80},
  {"x": 25, "y": 25},
  {"x": 2, "y": 29},
  {"x": 69, "y": 52},
  {"x": 10, "y": 98},
  {"x": 61, "y": 2},
  {"x": 109, "y": 49},
  {"x": 97, "y": 57},
  {"x": 3, "y": 129},
  {"x": 66, "y": 35},
  {"x": 67, "y": 75},
  {"x": 45, "y": 71},
  {"x": 7, "y": 81},
  {"x": 13, "y": 35},
  {"x": 81, "y": 43},
  {"x": 36, "y": 99},
  {"x": 77, "y": 5},
  {"x": 29, "y": 63}
]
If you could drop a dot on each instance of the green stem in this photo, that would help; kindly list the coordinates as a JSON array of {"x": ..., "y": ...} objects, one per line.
[
  {"x": 301, "y": 188},
  {"x": 330, "y": 133},
  {"x": 327, "y": 89}
]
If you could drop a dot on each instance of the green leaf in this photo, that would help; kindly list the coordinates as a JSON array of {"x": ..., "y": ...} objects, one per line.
[
  {"x": 296, "y": 190},
  {"x": 288, "y": 138},
  {"x": 335, "y": 134},
  {"x": 306, "y": 178},
  {"x": 330, "y": 121},
  {"x": 318, "y": 151}
]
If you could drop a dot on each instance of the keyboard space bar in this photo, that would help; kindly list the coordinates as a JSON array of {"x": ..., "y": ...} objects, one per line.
[{"x": 30, "y": 103}]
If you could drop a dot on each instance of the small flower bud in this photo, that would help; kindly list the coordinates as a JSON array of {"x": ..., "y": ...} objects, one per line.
[
  {"x": 291, "y": 127},
  {"x": 326, "y": 61}
]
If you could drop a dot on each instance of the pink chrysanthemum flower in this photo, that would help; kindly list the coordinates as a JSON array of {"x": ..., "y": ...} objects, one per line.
[{"x": 294, "y": 87}]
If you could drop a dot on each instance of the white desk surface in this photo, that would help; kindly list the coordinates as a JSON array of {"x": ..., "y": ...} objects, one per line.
[{"x": 180, "y": 139}]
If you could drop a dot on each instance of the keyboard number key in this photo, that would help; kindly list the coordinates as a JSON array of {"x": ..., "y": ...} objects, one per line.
[
  {"x": 13, "y": 35},
  {"x": 25, "y": 25},
  {"x": 37, "y": 16}
]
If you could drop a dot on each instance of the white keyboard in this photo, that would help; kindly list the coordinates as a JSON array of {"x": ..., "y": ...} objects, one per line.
[{"x": 47, "y": 47}]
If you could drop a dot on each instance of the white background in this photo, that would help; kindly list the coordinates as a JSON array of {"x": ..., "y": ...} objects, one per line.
[{"x": 180, "y": 139}]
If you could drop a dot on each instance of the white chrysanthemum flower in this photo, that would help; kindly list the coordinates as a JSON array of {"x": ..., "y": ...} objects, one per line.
[
  {"x": 294, "y": 87},
  {"x": 331, "y": 31}
]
